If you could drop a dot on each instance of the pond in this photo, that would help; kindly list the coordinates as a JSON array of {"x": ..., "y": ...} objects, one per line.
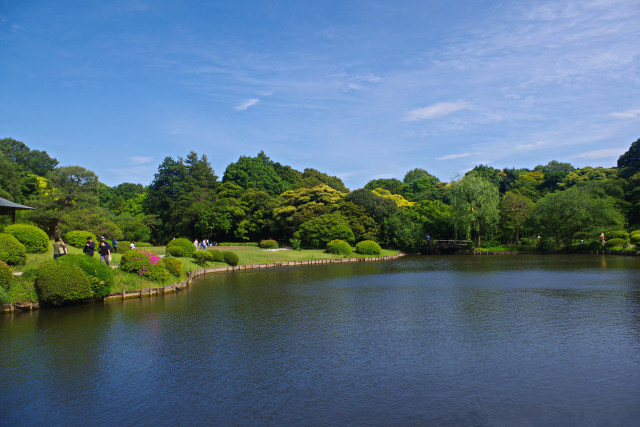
[{"x": 447, "y": 340}]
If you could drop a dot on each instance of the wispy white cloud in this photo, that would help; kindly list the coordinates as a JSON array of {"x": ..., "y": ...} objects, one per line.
[
  {"x": 631, "y": 113},
  {"x": 605, "y": 154},
  {"x": 141, "y": 160},
  {"x": 246, "y": 104},
  {"x": 455, "y": 156},
  {"x": 439, "y": 109}
]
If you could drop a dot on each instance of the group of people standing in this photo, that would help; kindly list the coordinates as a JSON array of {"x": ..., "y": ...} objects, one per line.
[
  {"x": 104, "y": 248},
  {"x": 203, "y": 244}
]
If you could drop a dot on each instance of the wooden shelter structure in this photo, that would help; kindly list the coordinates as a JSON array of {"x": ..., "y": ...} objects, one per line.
[{"x": 9, "y": 208}]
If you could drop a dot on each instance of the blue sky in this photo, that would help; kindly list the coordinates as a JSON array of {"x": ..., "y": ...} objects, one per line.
[{"x": 356, "y": 89}]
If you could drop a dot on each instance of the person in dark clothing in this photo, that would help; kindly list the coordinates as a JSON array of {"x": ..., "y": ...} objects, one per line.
[
  {"x": 89, "y": 247},
  {"x": 115, "y": 245},
  {"x": 104, "y": 249}
]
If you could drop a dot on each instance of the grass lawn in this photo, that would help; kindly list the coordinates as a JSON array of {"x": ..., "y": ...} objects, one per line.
[{"x": 22, "y": 289}]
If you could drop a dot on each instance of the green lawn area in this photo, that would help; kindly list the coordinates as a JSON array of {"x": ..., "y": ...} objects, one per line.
[{"x": 22, "y": 290}]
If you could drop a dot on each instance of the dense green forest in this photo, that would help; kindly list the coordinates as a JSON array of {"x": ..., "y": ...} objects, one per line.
[{"x": 258, "y": 199}]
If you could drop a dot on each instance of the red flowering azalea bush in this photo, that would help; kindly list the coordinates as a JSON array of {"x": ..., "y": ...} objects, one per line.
[{"x": 145, "y": 264}]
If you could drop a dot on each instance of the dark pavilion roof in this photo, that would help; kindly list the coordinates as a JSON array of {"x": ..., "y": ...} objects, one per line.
[{"x": 7, "y": 207}]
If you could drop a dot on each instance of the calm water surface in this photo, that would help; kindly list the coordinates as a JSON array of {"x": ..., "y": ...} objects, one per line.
[{"x": 459, "y": 340}]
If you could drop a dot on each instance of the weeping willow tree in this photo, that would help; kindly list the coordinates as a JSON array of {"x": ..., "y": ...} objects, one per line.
[{"x": 475, "y": 207}]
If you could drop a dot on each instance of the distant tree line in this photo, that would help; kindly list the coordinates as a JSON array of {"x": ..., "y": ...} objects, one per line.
[{"x": 259, "y": 199}]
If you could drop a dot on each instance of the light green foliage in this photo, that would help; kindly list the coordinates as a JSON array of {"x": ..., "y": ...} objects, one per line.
[
  {"x": 217, "y": 255},
  {"x": 363, "y": 226},
  {"x": 562, "y": 214},
  {"x": 338, "y": 247},
  {"x": 585, "y": 174},
  {"x": 615, "y": 242},
  {"x": 34, "y": 239},
  {"x": 6, "y": 275},
  {"x": 396, "y": 198},
  {"x": 60, "y": 283},
  {"x": 11, "y": 250},
  {"x": 144, "y": 264},
  {"x": 78, "y": 238},
  {"x": 173, "y": 266},
  {"x": 202, "y": 257},
  {"x": 317, "y": 232},
  {"x": 187, "y": 246},
  {"x": 421, "y": 185},
  {"x": 368, "y": 247},
  {"x": 230, "y": 258},
  {"x": 303, "y": 204},
  {"x": 269, "y": 244},
  {"x": 296, "y": 244},
  {"x": 554, "y": 174},
  {"x": 393, "y": 185},
  {"x": 175, "y": 251},
  {"x": 530, "y": 185},
  {"x": 617, "y": 234},
  {"x": 99, "y": 274},
  {"x": 312, "y": 177},
  {"x": 475, "y": 205}
]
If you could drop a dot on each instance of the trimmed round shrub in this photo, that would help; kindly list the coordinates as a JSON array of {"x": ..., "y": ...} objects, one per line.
[
  {"x": 59, "y": 283},
  {"x": 615, "y": 242},
  {"x": 185, "y": 244},
  {"x": 100, "y": 275},
  {"x": 173, "y": 266},
  {"x": 144, "y": 264},
  {"x": 338, "y": 247},
  {"x": 78, "y": 238},
  {"x": 217, "y": 255},
  {"x": 175, "y": 251},
  {"x": 230, "y": 258},
  {"x": 6, "y": 275},
  {"x": 202, "y": 257},
  {"x": 617, "y": 234},
  {"x": 269, "y": 244},
  {"x": 11, "y": 250},
  {"x": 634, "y": 238},
  {"x": 34, "y": 239},
  {"x": 368, "y": 247}
]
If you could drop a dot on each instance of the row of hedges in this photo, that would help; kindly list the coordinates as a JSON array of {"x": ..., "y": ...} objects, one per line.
[
  {"x": 366, "y": 247},
  {"x": 215, "y": 255}
]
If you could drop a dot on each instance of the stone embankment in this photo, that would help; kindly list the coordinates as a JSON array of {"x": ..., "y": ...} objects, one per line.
[
  {"x": 592, "y": 252},
  {"x": 147, "y": 292}
]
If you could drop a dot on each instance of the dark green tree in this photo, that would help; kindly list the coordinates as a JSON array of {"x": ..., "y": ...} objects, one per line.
[
  {"x": 395, "y": 186},
  {"x": 629, "y": 162},
  {"x": 30, "y": 161},
  {"x": 258, "y": 173},
  {"x": 562, "y": 214}
]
